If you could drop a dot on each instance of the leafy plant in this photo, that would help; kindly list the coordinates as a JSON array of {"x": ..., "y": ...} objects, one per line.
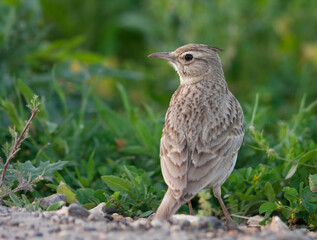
[
  {"x": 25, "y": 174},
  {"x": 133, "y": 193}
]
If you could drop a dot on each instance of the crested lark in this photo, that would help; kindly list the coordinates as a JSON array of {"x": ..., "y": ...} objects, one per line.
[{"x": 203, "y": 129}]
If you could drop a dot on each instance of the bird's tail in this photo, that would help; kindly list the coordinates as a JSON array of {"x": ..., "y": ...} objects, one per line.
[{"x": 168, "y": 206}]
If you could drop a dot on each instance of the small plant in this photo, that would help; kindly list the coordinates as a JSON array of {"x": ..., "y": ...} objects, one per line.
[
  {"x": 11, "y": 149},
  {"x": 25, "y": 174},
  {"x": 133, "y": 193}
]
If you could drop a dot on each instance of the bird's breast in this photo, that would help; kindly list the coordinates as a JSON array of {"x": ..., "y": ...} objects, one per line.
[{"x": 191, "y": 111}]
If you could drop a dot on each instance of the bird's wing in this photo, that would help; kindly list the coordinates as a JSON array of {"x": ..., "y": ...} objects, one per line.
[
  {"x": 215, "y": 152},
  {"x": 174, "y": 158}
]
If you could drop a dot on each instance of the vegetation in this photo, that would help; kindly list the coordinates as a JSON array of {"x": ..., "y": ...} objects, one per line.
[{"x": 102, "y": 102}]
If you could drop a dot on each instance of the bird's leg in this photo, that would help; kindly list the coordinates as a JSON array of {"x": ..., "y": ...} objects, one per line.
[
  {"x": 231, "y": 224},
  {"x": 191, "y": 212}
]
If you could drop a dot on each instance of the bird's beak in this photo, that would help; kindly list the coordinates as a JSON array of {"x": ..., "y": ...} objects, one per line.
[{"x": 169, "y": 56}]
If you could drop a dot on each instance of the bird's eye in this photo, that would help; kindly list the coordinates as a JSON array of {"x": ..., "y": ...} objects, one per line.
[{"x": 188, "y": 57}]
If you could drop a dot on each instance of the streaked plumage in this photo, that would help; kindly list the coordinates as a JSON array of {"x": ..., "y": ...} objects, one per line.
[{"x": 203, "y": 129}]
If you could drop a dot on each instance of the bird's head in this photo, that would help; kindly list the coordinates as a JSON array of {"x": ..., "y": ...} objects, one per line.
[{"x": 193, "y": 61}]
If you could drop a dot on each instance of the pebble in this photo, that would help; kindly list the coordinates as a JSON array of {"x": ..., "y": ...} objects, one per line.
[
  {"x": 89, "y": 228},
  {"x": 63, "y": 211},
  {"x": 38, "y": 234},
  {"x": 196, "y": 221},
  {"x": 100, "y": 209},
  {"x": 94, "y": 216},
  {"x": 55, "y": 218},
  {"x": 117, "y": 217},
  {"x": 36, "y": 214},
  {"x": 109, "y": 218},
  {"x": 277, "y": 225},
  {"x": 47, "y": 201},
  {"x": 61, "y": 225},
  {"x": 54, "y": 229},
  {"x": 110, "y": 210},
  {"x": 129, "y": 219},
  {"x": 76, "y": 210},
  {"x": 141, "y": 223},
  {"x": 47, "y": 214}
]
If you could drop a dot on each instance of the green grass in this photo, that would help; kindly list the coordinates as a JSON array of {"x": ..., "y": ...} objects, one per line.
[{"x": 103, "y": 102}]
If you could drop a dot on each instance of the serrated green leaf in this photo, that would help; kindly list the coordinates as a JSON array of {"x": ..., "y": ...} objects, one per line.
[
  {"x": 45, "y": 169},
  {"x": 268, "y": 206}
]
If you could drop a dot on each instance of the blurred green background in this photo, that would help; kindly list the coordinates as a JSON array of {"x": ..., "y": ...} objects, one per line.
[{"x": 73, "y": 54}]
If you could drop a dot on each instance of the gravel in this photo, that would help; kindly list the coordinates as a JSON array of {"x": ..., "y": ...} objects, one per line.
[{"x": 75, "y": 222}]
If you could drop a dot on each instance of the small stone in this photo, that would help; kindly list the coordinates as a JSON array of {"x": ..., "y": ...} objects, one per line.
[
  {"x": 141, "y": 223},
  {"x": 196, "y": 221},
  {"x": 89, "y": 228},
  {"x": 79, "y": 221},
  {"x": 54, "y": 229},
  {"x": 47, "y": 201},
  {"x": 109, "y": 218},
  {"x": 129, "y": 219},
  {"x": 117, "y": 217},
  {"x": 110, "y": 210},
  {"x": 15, "y": 223},
  {"x": 3, "y": 235},
  {"x": 76, "y": 210},
  {"x": 38, "y": 234},
  {"x": 55, "y": 218},
  {"x": 277, "y": 225},
  {"x": 63, "y": 211},
  {"x": 36, "y": 214},
  {"x": 47, "y": 214},
  {"x": 65, "y": 234},
  {"x": 4, "y": 211},
  {"x": 64, "y": 219},
  {"x": 100, "y": 209},
  {"x": 95, "y": 216}
]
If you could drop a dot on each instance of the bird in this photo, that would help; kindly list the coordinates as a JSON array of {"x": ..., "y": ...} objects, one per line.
[{"x": 203, "y": 129}]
